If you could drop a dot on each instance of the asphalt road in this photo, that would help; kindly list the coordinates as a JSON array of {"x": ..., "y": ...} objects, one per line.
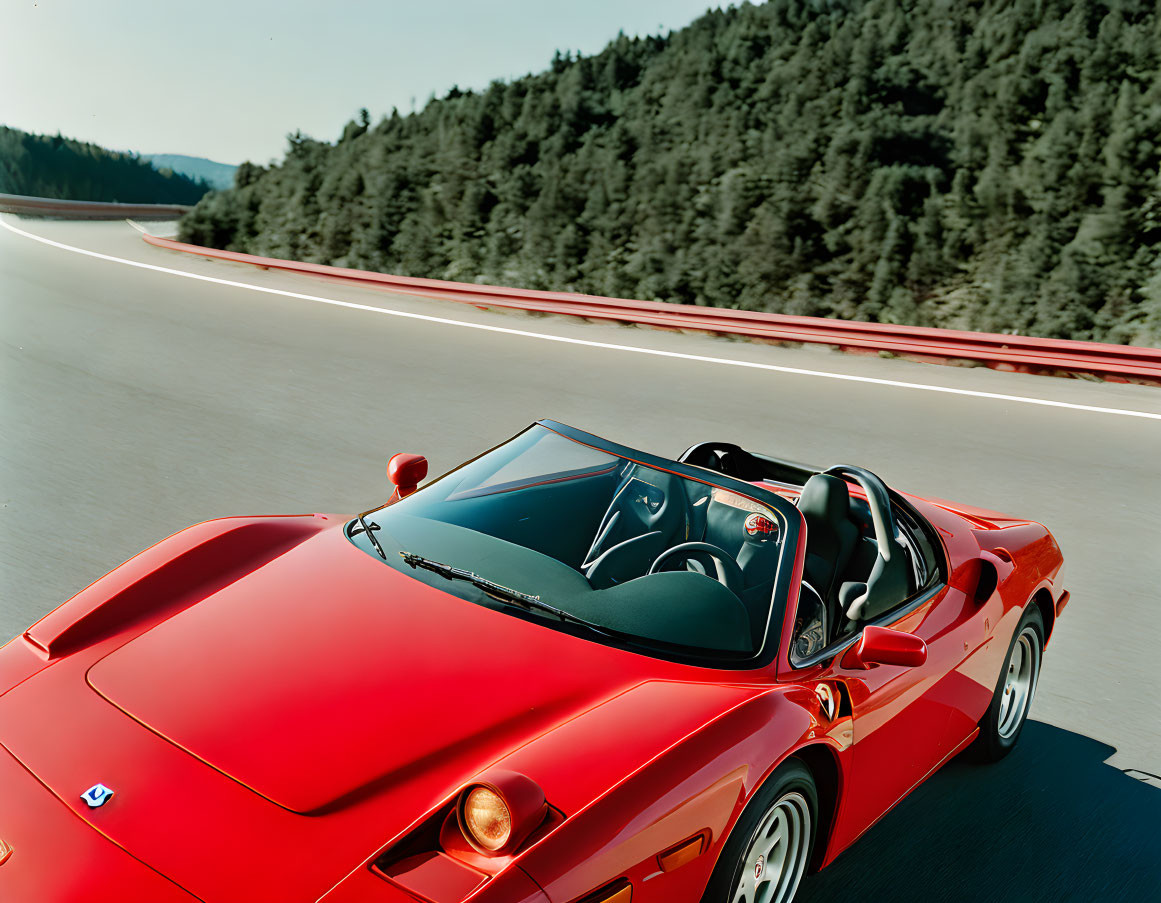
[{"x": 136, "y": 402}]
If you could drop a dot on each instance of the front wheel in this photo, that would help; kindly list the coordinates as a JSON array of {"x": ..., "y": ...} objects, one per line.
[
  {"x": 769, "y": 849},
  {"x": 1005, "y": 718}
]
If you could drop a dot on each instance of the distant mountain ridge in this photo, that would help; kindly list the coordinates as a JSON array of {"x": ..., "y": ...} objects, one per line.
[{"x": 217, "y": 175}]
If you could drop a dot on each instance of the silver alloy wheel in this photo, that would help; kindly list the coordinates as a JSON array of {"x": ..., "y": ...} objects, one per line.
[
  {"x": 776, "y": 857},
  {"x": 1019, "y": 682}
]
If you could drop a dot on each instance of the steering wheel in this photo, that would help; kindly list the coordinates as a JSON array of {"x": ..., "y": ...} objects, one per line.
[
  {"x": 726, "y": 570},
  {"x": 888, "y": 583}
]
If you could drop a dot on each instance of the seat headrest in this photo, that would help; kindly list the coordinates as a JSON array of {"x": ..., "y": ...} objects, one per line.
[{"x": 825, "y": 498}]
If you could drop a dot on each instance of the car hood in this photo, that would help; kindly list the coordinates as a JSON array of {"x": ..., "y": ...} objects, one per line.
[
  {"x": 326, "y": 674},
  {"x": 328, "y": 683}
]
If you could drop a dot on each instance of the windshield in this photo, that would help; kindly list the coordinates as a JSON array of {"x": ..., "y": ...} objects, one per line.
[{"x": 644, "y": 554}]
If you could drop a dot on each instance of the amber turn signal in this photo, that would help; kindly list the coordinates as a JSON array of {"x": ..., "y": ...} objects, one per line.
[
  {"x": 619, "y": 892},
  {"x": 677, "y": 856}
]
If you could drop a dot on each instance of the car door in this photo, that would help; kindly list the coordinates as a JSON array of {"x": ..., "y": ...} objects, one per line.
[
  {"x": 900, "y": 720},
  {"x": 905, "y": 720}
]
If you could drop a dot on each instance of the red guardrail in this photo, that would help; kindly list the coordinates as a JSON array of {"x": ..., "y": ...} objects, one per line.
[
  {"x": 1028, "y": 354},
  {"x": 28, "y": 206}
]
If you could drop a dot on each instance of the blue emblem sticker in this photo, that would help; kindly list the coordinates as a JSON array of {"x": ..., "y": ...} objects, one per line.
[{"x": 97, "y": 795}]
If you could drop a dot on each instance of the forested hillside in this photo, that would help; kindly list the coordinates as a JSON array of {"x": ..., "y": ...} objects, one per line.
[
  {"x": 49, "y": 166},
  {"x": 991, "y": 165}
]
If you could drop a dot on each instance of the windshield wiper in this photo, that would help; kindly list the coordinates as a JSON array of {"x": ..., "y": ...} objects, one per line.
[
  {"x": 499, "y": 591},
  {"x": 368, "y": 529}
]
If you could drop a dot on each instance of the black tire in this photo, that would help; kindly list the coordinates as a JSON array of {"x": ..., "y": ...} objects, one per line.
[
  {"x": 998, "y": 732},
  {"x": 790, "y": 782}
]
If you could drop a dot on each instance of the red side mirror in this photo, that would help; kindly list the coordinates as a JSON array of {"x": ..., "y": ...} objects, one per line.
[
  {"x": 882, "y": 646},
  {"x": 406, "y": 472}
]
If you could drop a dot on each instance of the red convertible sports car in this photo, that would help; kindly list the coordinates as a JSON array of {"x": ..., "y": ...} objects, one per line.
[{"x": 564, "y": 671}]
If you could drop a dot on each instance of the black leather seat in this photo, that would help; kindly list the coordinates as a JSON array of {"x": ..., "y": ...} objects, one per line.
[{"x": 830, "y": 534}]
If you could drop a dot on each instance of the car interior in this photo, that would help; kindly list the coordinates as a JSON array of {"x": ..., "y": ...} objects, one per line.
[
  {"x": 865, "y": 554},
  {"x": 625, "y": 545},
  {"x": 653, "y": 554}
]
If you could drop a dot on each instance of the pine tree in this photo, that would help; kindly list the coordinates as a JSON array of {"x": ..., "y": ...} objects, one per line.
[{"x": 987, "y": 166}]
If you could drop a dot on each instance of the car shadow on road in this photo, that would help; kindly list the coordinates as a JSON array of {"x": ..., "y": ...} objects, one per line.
[{"x": 1051, "y": 822}]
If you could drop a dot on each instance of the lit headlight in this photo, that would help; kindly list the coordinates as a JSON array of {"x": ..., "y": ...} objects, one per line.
[
  {"x": 498, "y": 813},
  {"x": 487, "y": 819}
]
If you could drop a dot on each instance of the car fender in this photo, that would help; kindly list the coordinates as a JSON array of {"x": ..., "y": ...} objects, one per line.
[
  {"x": 698, "y": 786},
  {"x": 1023, "y": 559}
]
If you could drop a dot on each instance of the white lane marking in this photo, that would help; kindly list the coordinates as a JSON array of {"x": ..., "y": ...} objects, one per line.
[
  {"x": 610, "y": 346},
  {"x": 138, "y": 227}
]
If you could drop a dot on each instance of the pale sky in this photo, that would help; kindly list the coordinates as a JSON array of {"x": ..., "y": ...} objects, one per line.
[{"x": 228, "y": 80}]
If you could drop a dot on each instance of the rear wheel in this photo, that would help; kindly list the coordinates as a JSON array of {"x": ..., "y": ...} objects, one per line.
[
  {"x": 769, "y": 849},
  {"x": 1001, "y": 726}
]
